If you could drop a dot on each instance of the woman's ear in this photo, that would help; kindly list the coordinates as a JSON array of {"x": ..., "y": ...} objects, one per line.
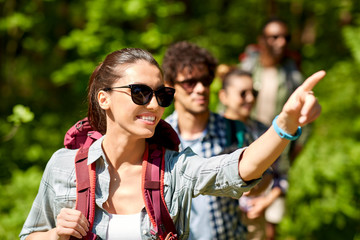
[{"x": 104, "y": 99}]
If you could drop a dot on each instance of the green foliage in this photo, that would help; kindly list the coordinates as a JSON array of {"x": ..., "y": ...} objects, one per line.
[
  {"x": 16, "y": 200},
  {"x": 324, "y": 203},
  {"x": 21, "y": 114}
]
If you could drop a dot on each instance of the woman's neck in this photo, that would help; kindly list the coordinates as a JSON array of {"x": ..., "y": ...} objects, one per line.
[
  {"x": 123, "y": 150},
  {"x": 232, "y": 116}
]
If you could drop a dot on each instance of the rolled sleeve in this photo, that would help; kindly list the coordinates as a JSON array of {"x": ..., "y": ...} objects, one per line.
[{"x": 217, "y": 176}]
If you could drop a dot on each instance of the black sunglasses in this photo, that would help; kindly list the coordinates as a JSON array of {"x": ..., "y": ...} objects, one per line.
[
  {"x": 189, "y": 84},
  {"x": 275, "y": 37},
  {"x": 244, "y": 93},
  {"x": 142, "y": 94}
]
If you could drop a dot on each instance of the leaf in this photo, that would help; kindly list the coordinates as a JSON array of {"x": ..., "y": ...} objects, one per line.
[{"x": 21, "y": 114}]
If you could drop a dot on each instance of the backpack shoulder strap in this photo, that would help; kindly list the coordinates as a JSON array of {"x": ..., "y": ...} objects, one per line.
[
  {"x": 153, "y": 192},
  {"x": 85, "y": 188},
  {"x": 235, "y": 132},
  {"x": 85, "y": 183}
]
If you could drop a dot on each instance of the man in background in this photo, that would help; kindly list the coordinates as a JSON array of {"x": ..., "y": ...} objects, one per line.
[
  {"x": 190, "y": 70},
  {"x": 276, "y": 74},
  {"x": 275, "y": 69}
]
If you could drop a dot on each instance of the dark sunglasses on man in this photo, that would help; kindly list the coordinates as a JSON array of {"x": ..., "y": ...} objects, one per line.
[
  {"x": 142, "y": 94},
  {"x": 275, "y": 37},
  {"x": 244, "y": 93},
  {"x": 189, "y": 84}
]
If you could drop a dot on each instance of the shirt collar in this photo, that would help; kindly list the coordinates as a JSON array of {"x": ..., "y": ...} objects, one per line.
[{"x": 95, "y": 151}]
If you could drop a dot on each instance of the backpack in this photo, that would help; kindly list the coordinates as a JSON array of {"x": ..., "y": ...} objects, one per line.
[
  {"x": 237, "y": 135},
  {"x": 81, "y": 136}
]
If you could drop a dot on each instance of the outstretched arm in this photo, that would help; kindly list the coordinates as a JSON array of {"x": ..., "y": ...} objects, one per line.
[{"x": 301, "y": 108}]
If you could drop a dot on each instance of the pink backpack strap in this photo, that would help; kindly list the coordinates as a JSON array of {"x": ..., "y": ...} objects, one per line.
[
  {"x": 85, "y": 183},
  {"x": 92, "y": 174},
  {"x": 85, "y": 188},
  {"x": 153, "y": 192},
  {"x": 92, "y": 137}
]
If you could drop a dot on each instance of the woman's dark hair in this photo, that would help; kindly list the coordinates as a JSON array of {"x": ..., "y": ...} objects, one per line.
[
  {"x": 185, "y": 54},
  {"x": 105, "y": 75},
  {"x": 234, "y": 72}
]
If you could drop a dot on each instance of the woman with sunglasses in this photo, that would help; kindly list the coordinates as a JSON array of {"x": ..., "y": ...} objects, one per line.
[
  {"x": 238, "y": 97},
  {"x": 127, "y": 98}
]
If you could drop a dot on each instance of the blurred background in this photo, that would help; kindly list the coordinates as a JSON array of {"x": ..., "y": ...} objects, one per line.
[{"x": 49, "y": 49}]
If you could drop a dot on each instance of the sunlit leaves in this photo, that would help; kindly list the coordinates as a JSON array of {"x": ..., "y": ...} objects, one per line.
[
  {"x": 352, "y": 37},
  {"x": 16, "y": 20},
  {"x": 16, "y": 199},
  {"x": 21, "y": 114},
  {"x": 70, "y": 71}
]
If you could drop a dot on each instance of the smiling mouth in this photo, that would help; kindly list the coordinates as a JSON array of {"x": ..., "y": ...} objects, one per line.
[
  {"x": 200, "y": 99},
  {"x": 147, "y": 118}
]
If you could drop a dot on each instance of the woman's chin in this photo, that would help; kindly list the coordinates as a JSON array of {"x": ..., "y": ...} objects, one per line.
[{"x": 147, "y": 134}]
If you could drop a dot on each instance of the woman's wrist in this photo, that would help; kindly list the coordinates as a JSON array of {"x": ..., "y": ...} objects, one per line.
[
  {"x": 286, "y": 123},
  {"x": 286, "y": 128}
]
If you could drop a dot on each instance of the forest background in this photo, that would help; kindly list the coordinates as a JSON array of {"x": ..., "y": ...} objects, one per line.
[{"x": 49, "y": 49}]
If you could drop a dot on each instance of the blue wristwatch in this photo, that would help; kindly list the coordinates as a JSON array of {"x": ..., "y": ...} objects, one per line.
[{"x": 284, "y": 134}]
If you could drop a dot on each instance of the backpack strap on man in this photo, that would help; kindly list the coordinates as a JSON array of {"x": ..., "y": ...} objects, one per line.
[{"x": 153, "y": 192}]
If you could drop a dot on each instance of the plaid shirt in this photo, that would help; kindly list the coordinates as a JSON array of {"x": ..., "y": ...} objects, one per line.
[{"x": 225, "y": 214}]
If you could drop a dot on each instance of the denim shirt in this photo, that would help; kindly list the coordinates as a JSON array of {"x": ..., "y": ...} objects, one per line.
[{"x": 186, "y": 176}]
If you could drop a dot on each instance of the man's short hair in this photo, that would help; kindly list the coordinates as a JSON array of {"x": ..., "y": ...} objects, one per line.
[
  {"x": 185, "y": 54},
  {"x": 272, "y": 20}
]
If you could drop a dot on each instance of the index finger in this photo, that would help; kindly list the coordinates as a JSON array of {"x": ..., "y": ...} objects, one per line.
[{"x": 311, "y": 81}]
